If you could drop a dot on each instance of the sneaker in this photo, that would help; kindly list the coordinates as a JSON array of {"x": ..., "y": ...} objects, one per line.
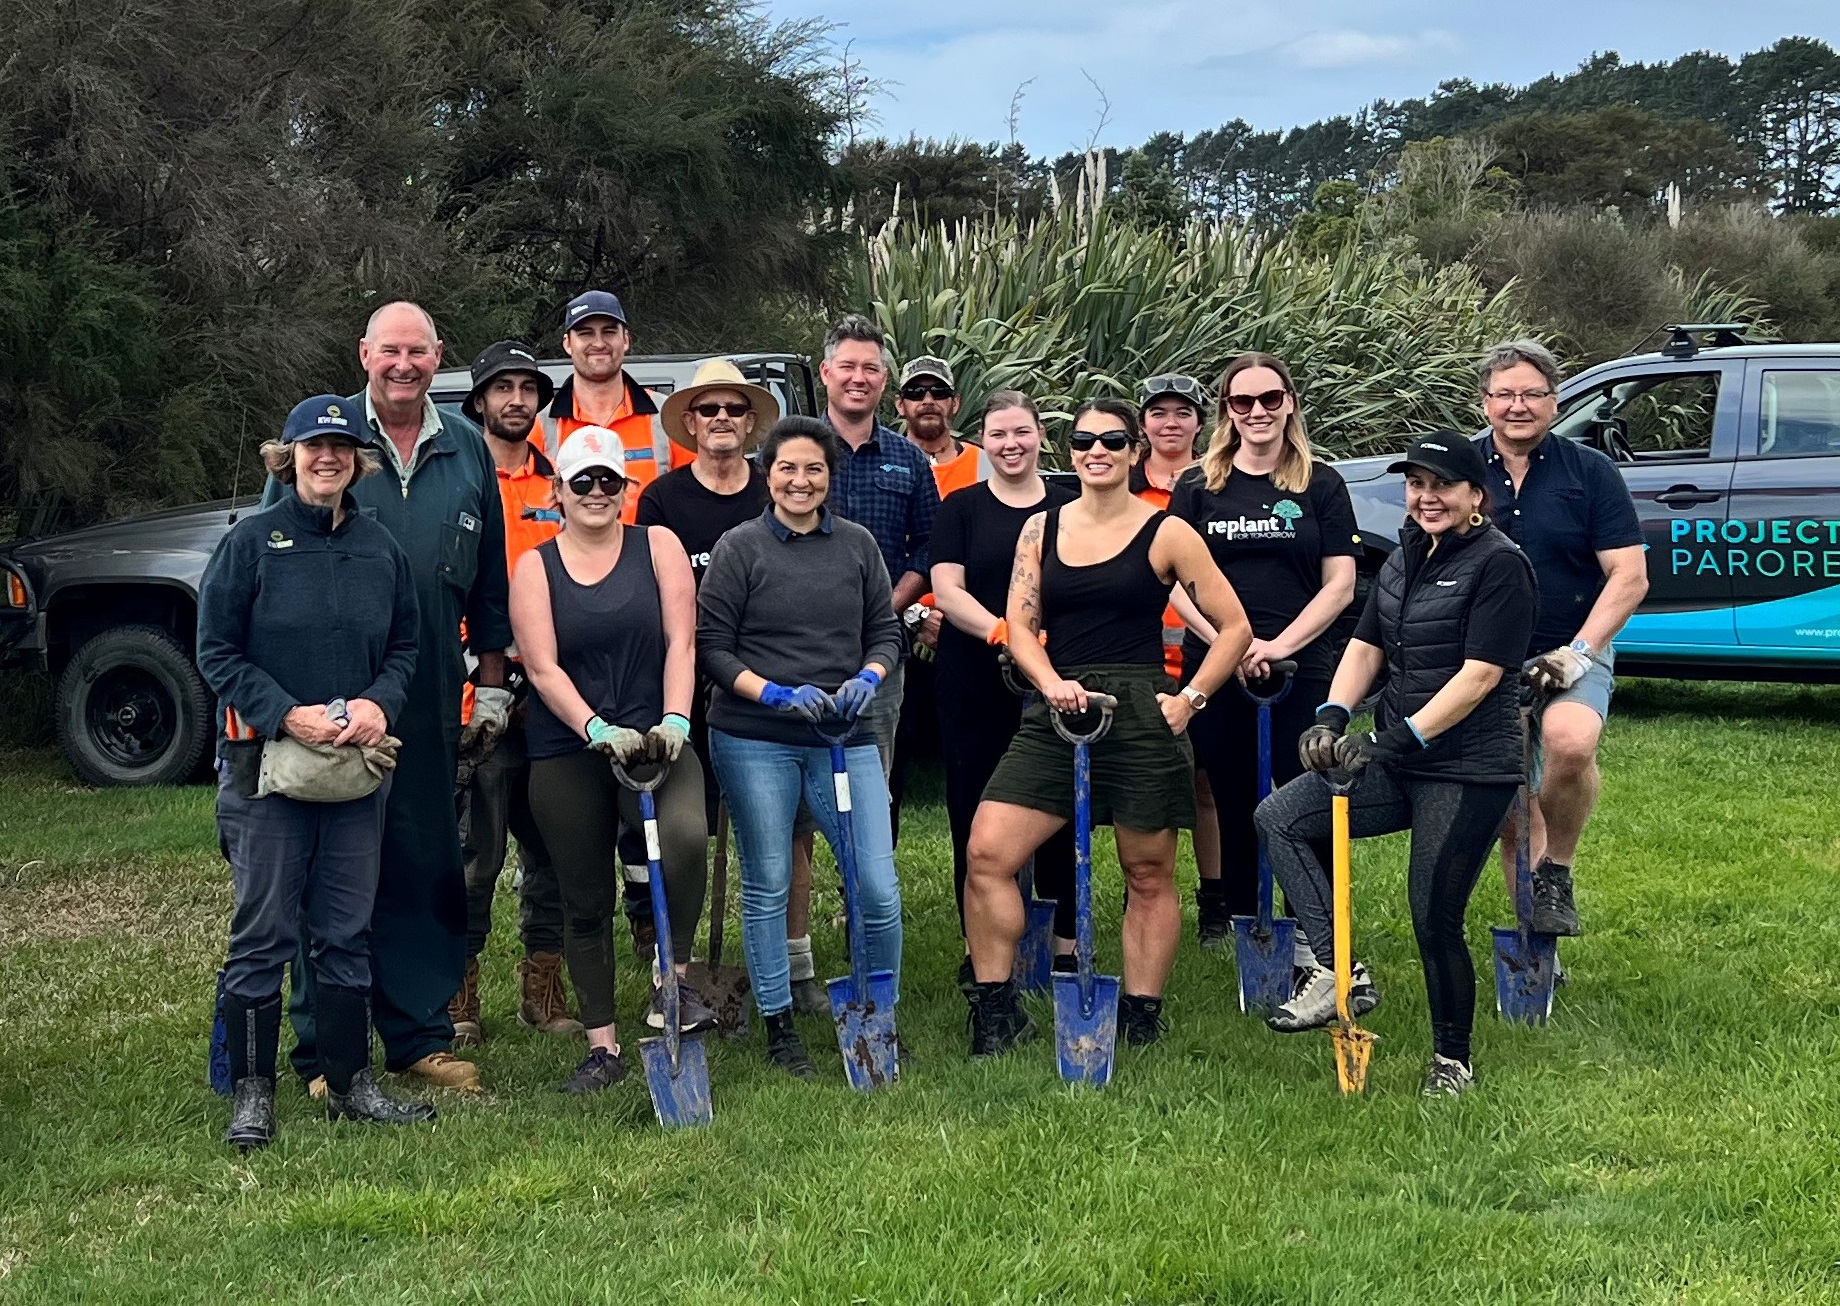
[
  {"x": 599, "y": 1069},
  {"x": 372, "y": 1106},
  {"x": 1448, "y": 1078},
  {"x": 463, "y": 1009},
  {"x": 997, "y": 1021},
  {"x": 785, "y": 1049},
  {"x": 1363, "y": 993},
  {"x": 810, "y": 998},
  {"x": 1553, "y": 909},
  {"x": 1140, "y": 1017},
  {"x": 1311, "y": 1007},
  {"x": 445, "y": 1070},
  {"x": 693, "y": 1013},
  {"x": 1213, "y": 922}
]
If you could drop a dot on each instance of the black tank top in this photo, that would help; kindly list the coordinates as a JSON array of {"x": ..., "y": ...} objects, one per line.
[
  {"x": 610, "y": 641},
  {"x": 1107, "y": 612}
]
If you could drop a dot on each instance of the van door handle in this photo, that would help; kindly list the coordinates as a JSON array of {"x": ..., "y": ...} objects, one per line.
[{"x": 1681, "y": 496}]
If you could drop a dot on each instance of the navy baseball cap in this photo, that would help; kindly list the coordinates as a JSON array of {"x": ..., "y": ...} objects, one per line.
[
  {"x": 592, "y": 303},
  {"x": 327, "y": 415},
  {"x": 1450, "y": 454}
]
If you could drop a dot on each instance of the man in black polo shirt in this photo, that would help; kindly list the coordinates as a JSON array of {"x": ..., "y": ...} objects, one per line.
[{"x": 1567, "y": 507}]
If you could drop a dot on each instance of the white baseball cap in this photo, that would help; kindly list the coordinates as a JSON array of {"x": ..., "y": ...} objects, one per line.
[{"x": 590, "y": 446}]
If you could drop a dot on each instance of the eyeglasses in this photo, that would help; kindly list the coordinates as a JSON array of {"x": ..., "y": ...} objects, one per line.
[
  {"x": 1271, "y": 401},
  {"x": 610, "y": 482},
  {"x": 1117, "y": 441},
  {"x": 733, "y": 410},
  {"x": 920, "y": 390},
  {"x": 1516, "y": 396}
]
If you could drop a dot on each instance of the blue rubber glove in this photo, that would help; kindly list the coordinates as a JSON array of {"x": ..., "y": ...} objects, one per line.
[
  {"x": 807, "y": 701},
  {"x": 855, "y": 694}
]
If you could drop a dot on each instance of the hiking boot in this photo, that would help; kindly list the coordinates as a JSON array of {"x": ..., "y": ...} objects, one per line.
[
  {"x": 638, "y": 908},
  {"x": 1311, "y": 1007},
  {"x": 693, "y": 1013},
  {"x": 997, "y": 1020},
  {"x": 1553, "y": 909},
  {"x": 463, "y": 1009},
  {"x": 810, "y": 998},
  {"x": 784, "y": 1048},
  {"x": 1448, "y": 1078},
  {"x": 1213, "y": 922},
  {"x": 1363, "y": 993},
  {"x": 599, "y": 1069},
  {"x": 545, "y": 1005},
  {"x": 443, "y": 1070},
  {"x": 252, "y": 1114},
  {"x": 369, "y": 1104},
  {"x": 1140, "y": 1017}
]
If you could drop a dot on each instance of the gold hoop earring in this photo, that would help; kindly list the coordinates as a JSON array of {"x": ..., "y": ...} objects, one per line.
[{"x": 1475, "y": 519}]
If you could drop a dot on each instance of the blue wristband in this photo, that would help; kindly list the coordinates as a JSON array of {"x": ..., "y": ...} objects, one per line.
[
  {"x": 683, "y": 722},
  {"x": 1332, "y": 703},
  {"x": 871, "y": 675},
  {"x": 1413, "y": 727}
]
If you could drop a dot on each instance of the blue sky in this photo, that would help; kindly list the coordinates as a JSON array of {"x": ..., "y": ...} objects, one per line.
[{"x": 1187, "y": 65}]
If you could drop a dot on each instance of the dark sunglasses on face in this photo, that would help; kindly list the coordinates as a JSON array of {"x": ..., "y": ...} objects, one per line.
[
  {"x": 1116, "y": 441},
  {"x": 611, "y": 482},
  {"x": 920, "y": 390},
  {"x": 1271, "y": 401},
  {"x": 733, "y": 410}
]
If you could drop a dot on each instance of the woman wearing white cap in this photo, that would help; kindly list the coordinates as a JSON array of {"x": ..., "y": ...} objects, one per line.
[{"x": 605, "y": 617}]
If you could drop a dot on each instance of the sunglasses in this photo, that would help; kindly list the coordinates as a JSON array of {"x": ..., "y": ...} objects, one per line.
[
  {"x": 733, "y": 410},
  {"x": 912, "y": 393},
  {"x": 610, "y": 482},
  {"x": 1271, "y": 401},
  {"x": 1116, "y": 441}
]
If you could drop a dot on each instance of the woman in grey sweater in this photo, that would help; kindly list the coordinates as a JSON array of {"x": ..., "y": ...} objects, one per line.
[{"x": 796, "y": 625}]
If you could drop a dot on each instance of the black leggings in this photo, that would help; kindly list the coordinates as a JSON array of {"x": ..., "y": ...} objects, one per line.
[
  {"x": 579, "y": 807},
  {"x": 1453, "y": 828}
]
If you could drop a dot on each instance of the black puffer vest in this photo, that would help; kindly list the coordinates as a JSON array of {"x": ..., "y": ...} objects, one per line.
[{"x": 1424, "y": 604}]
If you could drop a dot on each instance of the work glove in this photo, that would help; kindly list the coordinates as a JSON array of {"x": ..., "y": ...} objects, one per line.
[
  {"x": 807, "y": 701},
  {"x": 1354, "y": 752},
  {"x": 1558, "y": 670},
  {"x": 856, "y": 693},
  {"x": 1316, "y": 746},
  {"x": 664, "y": 741},
  {"x": 491, "y": 714},
  {"x": 380, "y": 757},
  {"x": 621, "y": 744}
]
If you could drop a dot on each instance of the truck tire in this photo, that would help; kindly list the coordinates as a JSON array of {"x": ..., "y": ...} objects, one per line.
[{"x": 133, "y": 710}]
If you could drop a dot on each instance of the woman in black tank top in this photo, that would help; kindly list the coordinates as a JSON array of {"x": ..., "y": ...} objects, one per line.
[
  {"x": 1090, "y": 582},
  {"x": 605, "y": 620}
]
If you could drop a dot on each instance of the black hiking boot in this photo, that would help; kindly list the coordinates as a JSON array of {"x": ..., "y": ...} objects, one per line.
[
  {"x": 967, "y": 977},
  {"x": 1553, "y": 909},
  {"x": 785, "y": 1049},
  {"x": 1213, "y": 922},
  {"x": 997, "y": 1020},
  {"x": 252, "y": 1031},
  {"x": 371, "y": 1105},
  {"x": 252, "y": 1114},
  {"x": 1140, "y": 1017}
]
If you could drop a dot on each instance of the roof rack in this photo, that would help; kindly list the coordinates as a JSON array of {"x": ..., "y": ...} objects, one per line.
[{"x": 1682, "y": 344}]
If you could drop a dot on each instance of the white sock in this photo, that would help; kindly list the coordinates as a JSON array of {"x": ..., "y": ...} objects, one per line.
[{"x": 798, "y": 953}]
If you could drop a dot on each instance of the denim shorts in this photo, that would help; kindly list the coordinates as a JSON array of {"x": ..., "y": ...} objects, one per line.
[{"x": 1593, "y": 690}]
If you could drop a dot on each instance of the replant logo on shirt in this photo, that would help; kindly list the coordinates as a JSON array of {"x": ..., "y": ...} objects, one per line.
[{"x": 1281, "y": 525}]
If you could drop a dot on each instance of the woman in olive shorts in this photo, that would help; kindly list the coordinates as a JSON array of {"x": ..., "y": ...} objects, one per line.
[{"x": 1093, "y": 576}]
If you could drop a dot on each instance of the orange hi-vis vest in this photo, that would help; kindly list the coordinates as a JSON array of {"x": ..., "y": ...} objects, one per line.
[
  {"x": 531, "y": 517},
  {"x": 650, "y": 453},
  {"x": 1174, "y": 628}
]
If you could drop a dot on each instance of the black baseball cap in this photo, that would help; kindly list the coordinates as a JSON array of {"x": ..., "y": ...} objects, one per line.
[
  {"x": 1448, "y": 453},
  {"x": 497, "y": 359}
]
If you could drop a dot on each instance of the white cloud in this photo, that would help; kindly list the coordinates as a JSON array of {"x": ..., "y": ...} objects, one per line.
[{"x": 1347, "y": 48}]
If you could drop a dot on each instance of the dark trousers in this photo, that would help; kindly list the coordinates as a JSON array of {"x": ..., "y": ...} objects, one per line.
[
  {"x": 296, "y": 866},
  {"x": 916, "y": 734},
  {"x": 418, "y": 925},
  {"x": 1226, "y": 739},
  {"x": 496, "y": 801}
]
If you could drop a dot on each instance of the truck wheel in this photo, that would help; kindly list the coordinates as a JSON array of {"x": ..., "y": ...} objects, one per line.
[{"x": 132, "y": 709}]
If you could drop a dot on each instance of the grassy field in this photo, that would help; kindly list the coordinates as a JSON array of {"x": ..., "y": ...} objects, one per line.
[{"x": 1674, "y": 1136}]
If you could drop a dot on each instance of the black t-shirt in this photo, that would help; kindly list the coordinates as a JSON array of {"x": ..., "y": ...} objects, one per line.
[
  {"x": 1270, "y": 543},
  {"x": 979, "y": 531},
  {"x": 1499, "y": 617},
  {"x": 696, "y": 514}
]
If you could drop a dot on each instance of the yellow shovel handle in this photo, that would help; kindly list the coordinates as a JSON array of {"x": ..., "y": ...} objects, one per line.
[{"x": 1344, "y": 914}]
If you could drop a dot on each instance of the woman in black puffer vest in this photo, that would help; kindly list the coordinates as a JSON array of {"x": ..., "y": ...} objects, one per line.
[{"x": 1447, "y": 624}]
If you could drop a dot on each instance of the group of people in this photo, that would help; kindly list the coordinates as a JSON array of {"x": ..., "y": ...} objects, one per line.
[{"x": 705, "y": 585}]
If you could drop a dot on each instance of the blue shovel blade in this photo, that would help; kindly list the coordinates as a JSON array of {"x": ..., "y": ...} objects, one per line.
[
  {"x": 1524, "y": 975},
  {"x": 865, "y": 1030},
  {"x": 680, "y": 1099},
  {"x": 1085, "y": 1042},
  {"x": 1035, "y": 950},
  {"x": 1266, "y": 969}
]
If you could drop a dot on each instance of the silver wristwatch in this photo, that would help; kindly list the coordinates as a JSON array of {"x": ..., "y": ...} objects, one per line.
[{"x": 1196, "y": 699}]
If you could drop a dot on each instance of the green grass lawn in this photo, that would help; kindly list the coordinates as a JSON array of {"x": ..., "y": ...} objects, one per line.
[{"x": 1674, "y": 1136}]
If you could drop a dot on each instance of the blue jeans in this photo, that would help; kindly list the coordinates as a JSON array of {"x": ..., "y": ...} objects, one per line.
[{"x": 762, "y": 782}]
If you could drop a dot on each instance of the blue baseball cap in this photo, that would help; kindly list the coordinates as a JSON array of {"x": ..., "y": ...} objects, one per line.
[
  {"x": 327, "y": 415},
  {"x": 592, "y": 303}
]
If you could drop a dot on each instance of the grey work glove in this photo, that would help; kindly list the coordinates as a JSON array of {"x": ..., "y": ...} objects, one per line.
[
  {"x": 1316, "y": 746},
  {"x": 381, "y": 757},
  {"x": 665, "y": 741},
  {"x": 1557, "y": 671},
  {"x": 491, "y": 714},
  {"x": 621, "y": 744}
]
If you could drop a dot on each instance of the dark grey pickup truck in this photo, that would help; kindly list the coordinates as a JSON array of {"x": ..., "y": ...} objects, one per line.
[{"x": 111, "y": 610}]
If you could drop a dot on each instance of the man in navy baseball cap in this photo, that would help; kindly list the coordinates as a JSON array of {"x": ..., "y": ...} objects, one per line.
[
  {"x": 592, "y": 303},
  {"x": 326, "y": 415}
]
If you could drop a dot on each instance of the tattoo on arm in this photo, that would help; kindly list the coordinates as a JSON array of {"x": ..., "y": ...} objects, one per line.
[{"x": 1025, "y": 577}]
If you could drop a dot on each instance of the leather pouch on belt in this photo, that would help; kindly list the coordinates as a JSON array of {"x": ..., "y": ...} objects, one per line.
[{"x": 243, "y": 764}]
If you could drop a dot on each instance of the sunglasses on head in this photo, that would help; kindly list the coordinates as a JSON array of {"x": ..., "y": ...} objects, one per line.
[
  {"x": 733, "y": 410},
  {"x": 1271, "y": 401},
  {"x": 1117, "y": 441},
  {"x": 611, "y": 482},
  {"x": 921, "y": 390}
]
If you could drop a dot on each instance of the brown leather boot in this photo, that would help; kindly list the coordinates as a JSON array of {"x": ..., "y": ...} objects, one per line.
[
  {"x": 463, "y": 1009},
  {"x": 545, "y": 1006}
]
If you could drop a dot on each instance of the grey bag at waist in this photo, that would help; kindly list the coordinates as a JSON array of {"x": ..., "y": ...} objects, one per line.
[{"x": 322, "y": 773}]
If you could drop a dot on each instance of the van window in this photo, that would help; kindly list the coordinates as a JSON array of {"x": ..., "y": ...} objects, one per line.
[{"x": 1800, "y": 414}]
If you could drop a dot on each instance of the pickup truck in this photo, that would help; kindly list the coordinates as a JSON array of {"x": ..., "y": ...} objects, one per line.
[
  {"x": 111, "y": 611},
  {"x": 1731, "y": 451}
]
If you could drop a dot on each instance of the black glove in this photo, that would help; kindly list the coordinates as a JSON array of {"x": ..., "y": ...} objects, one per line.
[
  {"x": 1354, "y": 752},
  {"x": 1316, "y": 746}
]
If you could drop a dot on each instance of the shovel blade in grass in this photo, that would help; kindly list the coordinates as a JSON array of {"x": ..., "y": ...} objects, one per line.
[
  {"x": 1267, "y": 966},
  {"x": 1086, "y": 1035},
  {"x": 1354, "y": 1048},
  {"x": 1526, "y": 970},
  {"x": 680, "y": 1093},
  {"x": 865, "y": 1030}
]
